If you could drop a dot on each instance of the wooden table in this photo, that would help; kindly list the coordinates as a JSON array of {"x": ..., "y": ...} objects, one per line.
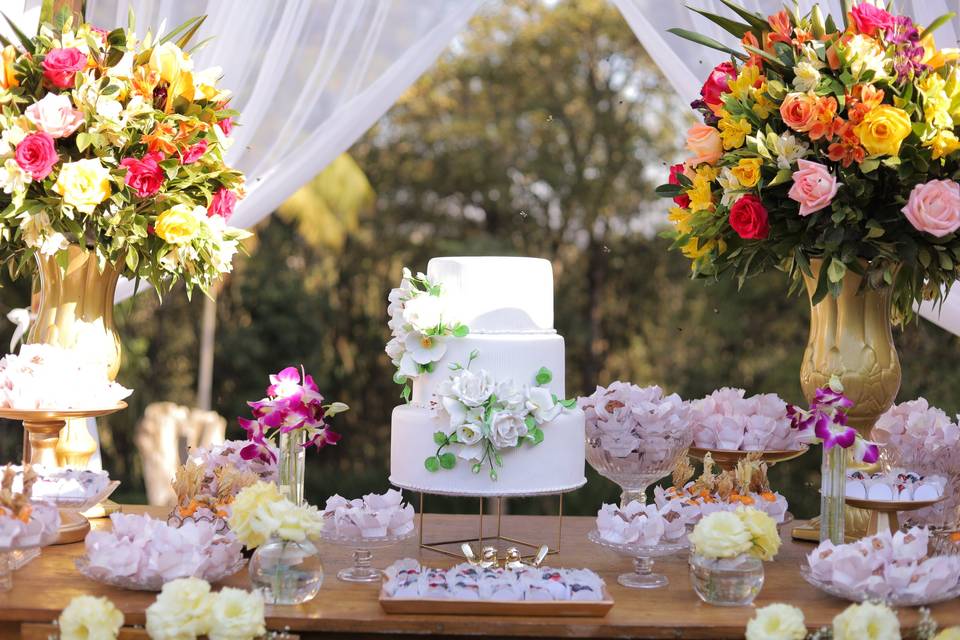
[{"x": 342, "y": 610}]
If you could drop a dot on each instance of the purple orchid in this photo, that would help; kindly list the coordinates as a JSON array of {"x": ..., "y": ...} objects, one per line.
[
  {"x": 293, "y": 402},
  {"x": 826, "y": 422}
]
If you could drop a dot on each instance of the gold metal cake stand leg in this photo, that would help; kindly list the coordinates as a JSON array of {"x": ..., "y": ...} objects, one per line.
[
  {"x": 40, "y": 441},
  {"x": 482, "y": 540},
  {"x": 856, "y": 526}
]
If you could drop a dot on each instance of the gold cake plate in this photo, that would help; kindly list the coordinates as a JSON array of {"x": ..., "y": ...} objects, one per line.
[{"x": 727, "y": 459}]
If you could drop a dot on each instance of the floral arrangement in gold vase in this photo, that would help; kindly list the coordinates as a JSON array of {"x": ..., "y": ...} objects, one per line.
[{"x": 828, "y": 149}]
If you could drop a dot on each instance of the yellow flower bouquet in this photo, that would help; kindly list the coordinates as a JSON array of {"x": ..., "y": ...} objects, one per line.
[{"x": 116, "y": 144}]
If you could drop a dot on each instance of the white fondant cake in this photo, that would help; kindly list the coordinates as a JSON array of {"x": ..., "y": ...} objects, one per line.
[{"x": 507, "y": 306}]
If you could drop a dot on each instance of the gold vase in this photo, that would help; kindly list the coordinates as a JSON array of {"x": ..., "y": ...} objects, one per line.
[
  {"x": 851, "y": 338},
  {"x": 76, "y": 312}
]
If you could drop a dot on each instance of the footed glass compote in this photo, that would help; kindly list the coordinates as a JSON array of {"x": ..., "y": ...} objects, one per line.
[
  {"x": 363, "y": 548},
  {"x": 634, "y": 470},
  {"x": 642, "y": 576}
]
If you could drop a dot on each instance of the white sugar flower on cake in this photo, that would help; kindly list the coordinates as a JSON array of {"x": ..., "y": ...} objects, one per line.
[
  {"x": 728, "y": 420},
  {"x": 488, "y": 418},
  {"x": 43, "y": 376},
  {"x": 625, "y": 418},
  {"x": 420, "y": 325}
]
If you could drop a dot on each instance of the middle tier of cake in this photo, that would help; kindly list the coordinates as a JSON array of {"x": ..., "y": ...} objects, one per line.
[
  {"x": 555, "y": 465},
  {"x": 505, "y": 356}
]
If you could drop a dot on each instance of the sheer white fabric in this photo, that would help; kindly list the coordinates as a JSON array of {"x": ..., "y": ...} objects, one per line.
[
  {"x": 309, "y": 76},
  {"x": 686, "y": 64}
]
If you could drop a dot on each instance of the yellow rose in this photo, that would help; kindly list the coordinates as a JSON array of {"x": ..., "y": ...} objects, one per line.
[
  {"x": 943, "y": 144},
  {"x": 721, "y": 535},
  {"x": 763, "y": 532},
  {"x": 747, "y": 171},
  {"x": 8, "y": 78},
  {"x": 83, "y": 184},
  {"x": 883, "y": 129},
  {"x": 178, "y": 224},
  {"x": 777, "y": 622},
  {"x": 953, "y": 633},
  {"x": 90, "y": 618}
]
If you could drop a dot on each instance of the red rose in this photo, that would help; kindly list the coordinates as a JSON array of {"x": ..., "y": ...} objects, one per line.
[
  {"x": 222, "y": 203},
  {"x": 868, "y": 18},
  {"x": 717, "y": 83},
  {"x": 36, "y": 154},
  {"x": 194, "y": 152},
  {"x": 748, "y": 217},
  {"x": 60, "y": 66},
  {"x": 144, "y": 176},
  {"x": 226, "y": 125},
  {"x": 683, "y": 200}
]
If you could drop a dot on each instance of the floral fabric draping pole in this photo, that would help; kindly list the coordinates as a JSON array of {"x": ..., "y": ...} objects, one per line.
[{"x": 686, "y": 64}]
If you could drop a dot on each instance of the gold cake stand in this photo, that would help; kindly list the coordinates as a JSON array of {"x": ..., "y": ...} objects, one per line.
[
  {"x": 42, "y": 428},
  {"x": 883, "y": 513},
  {"x": 727, "y": 459}
]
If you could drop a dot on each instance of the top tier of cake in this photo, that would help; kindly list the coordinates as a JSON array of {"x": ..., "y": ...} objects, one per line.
[{"x": 497, "y": 294}]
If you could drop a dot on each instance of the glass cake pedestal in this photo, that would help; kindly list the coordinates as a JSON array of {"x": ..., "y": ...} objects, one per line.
[{"x": 642, "y": 577}]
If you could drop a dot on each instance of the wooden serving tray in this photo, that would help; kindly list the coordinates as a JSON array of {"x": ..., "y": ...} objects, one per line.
[{"x": 551, "y": 608}]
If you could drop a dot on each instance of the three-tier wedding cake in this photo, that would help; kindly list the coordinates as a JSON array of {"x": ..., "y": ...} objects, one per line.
[{"x": 482, "y": 370}]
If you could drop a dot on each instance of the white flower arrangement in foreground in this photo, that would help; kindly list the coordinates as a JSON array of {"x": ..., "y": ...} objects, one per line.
[
  {"x": 488, "y": 417},
  {"x": 184, "y": 609},
  {"x": 726, "y": 534},
  {"x": 866, "y": 621},
  {"x": 625, "y": 418},
  {"x": 420, "y": 326}
]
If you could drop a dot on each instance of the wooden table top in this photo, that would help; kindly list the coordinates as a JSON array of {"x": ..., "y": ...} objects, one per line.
[{"x": 46, "y": 585}]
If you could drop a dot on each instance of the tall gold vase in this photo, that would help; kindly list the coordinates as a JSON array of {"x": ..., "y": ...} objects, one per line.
[
  {"x": 76, "y": 312},
  {"x": 851, "y": 338}
]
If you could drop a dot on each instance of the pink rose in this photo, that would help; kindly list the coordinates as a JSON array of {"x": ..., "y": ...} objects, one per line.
[
  {"x": 144, "y": 176},
  {"x": 55, "y": 114},
  {"x": 194, "y": 152},
  {"x": 868, "y": 18},
  {"x": 705, "y": 144},
  {"x": 36, "y": 154},
  {"x": 60, "y": 66},
  {"x": 222, "y": 203},
  {"x": 813, "y": 187},
  {"x": 717, "y": 83},
  {"x": 933, "y": 207},
  {"x": 226, "y": 125}
]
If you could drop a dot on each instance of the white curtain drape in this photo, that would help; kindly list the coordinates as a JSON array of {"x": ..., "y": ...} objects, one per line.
[{"x": 686, "y": 64}]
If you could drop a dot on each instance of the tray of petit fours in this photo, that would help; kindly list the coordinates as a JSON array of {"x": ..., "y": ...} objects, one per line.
[{"x": 468, "y": 589}]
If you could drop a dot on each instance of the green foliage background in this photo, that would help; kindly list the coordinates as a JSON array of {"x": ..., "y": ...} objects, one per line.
[{"x": 541, "y": 132}]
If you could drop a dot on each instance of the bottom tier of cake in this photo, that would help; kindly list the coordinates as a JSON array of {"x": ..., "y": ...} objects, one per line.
[{"x": 555, "y": 465}]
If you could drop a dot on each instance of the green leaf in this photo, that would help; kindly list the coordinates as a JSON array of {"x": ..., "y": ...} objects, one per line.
[
  {"x": 109, "y": 90},
  {"x": 475, "y": 468},
  {"x": 939, "y": 22},
  {"x": 185, "y": 38},
  {"x": 845, "y": 7},
  {"x": 180, "y": 29},
  {"x": 460, "y": 331},
  {"x": 869, "y": 165},
  {"x": 83, "y": 140},
  {"x": 440, "y": 438},
  {"x": 756, "y": 20},
  {"x": 836, "y": 270},
  {"x": 21, "y": 36},
  {"x": 448, "y": 461},
  {"x": 569, "y": 403},
  {"x": 734, "y": 28},
  {"x": 544, "y": 376},
  {"x": 531, "y": 422},
  {"x": 537, "y": 435},
  {"x": 782, "y": 176},
  {"x": 432, "y": 464},
  {"x": 669, "y": 190},
  {"x": 132, "y": 259},
  {"x": 707, "y": 42},
  {"x": 405, "y": 394}
]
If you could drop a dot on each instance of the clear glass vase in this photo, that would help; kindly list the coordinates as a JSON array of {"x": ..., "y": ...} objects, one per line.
[
  {"x": 833, "y": 487},
  {"x": 726, "y": 582},
  {"x": 291, "y": 465},
  {"x": 287, "y": 572}
]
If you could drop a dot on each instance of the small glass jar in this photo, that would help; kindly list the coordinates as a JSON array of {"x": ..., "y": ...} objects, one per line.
[
  {"x": 288, "y": 572},
  {"x": 726, "y": 582}
]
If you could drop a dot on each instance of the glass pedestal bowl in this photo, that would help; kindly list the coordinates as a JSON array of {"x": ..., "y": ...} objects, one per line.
[
  {"x": 654, "y": 458},
  {"x": 643, "y": 556},
  {"x": 363, "y": 548}
]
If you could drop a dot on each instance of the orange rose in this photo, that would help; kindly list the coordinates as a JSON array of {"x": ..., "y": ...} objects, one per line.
[
  {"x": 799, "y": 111},
  {"x": 8, "y": 78},
  {"x": 705, "y": 144}
]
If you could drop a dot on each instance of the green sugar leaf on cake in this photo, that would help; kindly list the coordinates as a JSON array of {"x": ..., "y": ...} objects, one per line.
[
  {"x": 440, "y": 438},
  {"x": 460, "y": 330},
  {"x": 544, "y": 376},
  {"x": 432, "y": 464},
  {"x": 448, "y": 460}
]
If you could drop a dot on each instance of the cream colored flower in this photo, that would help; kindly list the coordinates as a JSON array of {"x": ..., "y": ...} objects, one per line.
[
  {"x": 777, "y": 622},
  {"x": 90, "y": 618},
  {"x": 866, "y": 621},
  {"x": 251, "y": 518},
  {"x": 181, "y": 611},
  {"x": 807, "y": 77},
  {"x": 763, "y": 532},
  {"x": 952, "y": 633},
  {"x": 721, "y": 535},
  {"x": 236, "y": 615},
  {"x": 865, "y": 55},
  {"x": 83, "y": 184}
]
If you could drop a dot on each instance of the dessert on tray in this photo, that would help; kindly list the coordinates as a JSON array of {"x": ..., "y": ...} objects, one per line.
[
  {"x": 483, "y": 368},
  {"x": 644, "y": 524},
  {"x": 727, "y": 420},
  {"x": 895, "y": 485},
  {"x": 375, "y": 516},
  {"x": 747, "y": 485},
  {"x": 24, "y": 524},
  {"x": 59, "y": 485}
]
